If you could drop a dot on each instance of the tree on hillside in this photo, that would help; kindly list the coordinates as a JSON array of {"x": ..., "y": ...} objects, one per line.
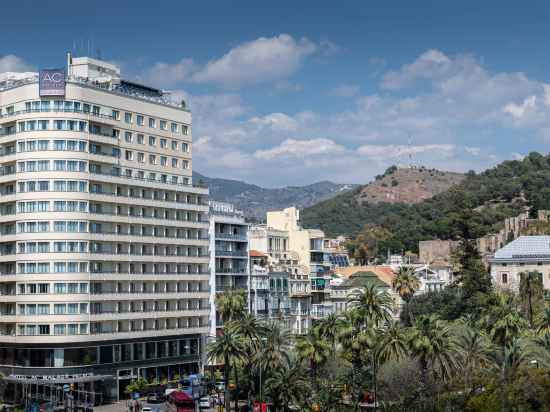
[{"x": 366, "y": 246}]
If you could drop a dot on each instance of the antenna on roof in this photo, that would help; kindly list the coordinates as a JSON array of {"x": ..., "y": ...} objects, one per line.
[{"x": 411, "y": 166}]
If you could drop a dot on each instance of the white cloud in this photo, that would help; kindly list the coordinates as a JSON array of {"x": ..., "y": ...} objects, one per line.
[
  {"x": 12, "y": 63},
  {"x": 168, "y": 74},
  {"x": 519, "y": 110},
  {"x": 275, "y": 121},
  {"x": 448, "y": 113},
  {"x": 474, "y": 151},
  {"x": 345, "y": 90},
  {"x": 300, "y": 148},
  {"x": 429, "y": 64},
  {"x": 261, "y": 60}
]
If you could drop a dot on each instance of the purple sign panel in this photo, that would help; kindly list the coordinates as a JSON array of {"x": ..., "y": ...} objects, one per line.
[{"x": 51, "y": 82}]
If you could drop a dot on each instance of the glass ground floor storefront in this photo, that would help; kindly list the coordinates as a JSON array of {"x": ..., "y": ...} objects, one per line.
[{"x": 101, "y": 371}]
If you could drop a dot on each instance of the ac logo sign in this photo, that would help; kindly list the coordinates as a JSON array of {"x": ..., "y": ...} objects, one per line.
[{"x": 52, "y": 82}]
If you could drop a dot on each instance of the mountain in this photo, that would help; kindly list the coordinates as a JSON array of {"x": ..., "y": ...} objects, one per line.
[
  {"x": 472, "y": 207},
  {"x": 255, "y": 201},
  {"x": 407, "y": 185}
]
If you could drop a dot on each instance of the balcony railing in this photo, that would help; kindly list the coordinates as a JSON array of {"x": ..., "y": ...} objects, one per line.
[
  {"x": 237, "y": 253},
  {"x": 230, "y": 236}
]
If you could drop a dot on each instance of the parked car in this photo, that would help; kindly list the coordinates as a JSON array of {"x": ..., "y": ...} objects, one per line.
[
  {"x": 155, "y": 398},
  {"x": 205, "y": 403}
]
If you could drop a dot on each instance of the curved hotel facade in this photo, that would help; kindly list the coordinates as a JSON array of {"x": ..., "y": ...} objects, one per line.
[{"x": 103, "y": 238}]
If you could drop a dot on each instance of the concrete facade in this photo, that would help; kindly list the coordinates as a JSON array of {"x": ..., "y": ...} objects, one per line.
[{"x": 104, "y": 247}]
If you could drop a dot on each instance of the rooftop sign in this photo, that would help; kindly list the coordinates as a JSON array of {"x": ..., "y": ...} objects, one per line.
[{"x": 51, "y": 82}]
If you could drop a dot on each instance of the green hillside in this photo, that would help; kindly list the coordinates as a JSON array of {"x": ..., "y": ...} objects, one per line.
[{"x": 472, "y": 207}]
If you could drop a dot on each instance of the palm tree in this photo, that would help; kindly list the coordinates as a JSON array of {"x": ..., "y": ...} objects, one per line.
[
  {"x": 372, "y": 304},
  {"x": 315, "y": 351},
  {"x": 231, "y": 305},
  {"x": 507, "y": 359},
  {"x": 543, "y": 323},
  {"x": 357, "y": 343},
  {"x": 508, "y": 327},
  {"x": 405, "y": 284},
  {"x": 474, "y": 350},
  {"x": 250, "y": 329},
  {"x": 432, "y": 344},
  {"x": 329, "y": 328},
  {"x": 392, "y": 344},
  {"x": 542, "y": 348},
  {"x": 229, "y": 347},
  {"x": 275, "y": 346},
  {"x": 287, "y": 386}
]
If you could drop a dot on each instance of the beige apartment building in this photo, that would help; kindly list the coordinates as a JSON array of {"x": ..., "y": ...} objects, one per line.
[{"x": 103, "y": 237}]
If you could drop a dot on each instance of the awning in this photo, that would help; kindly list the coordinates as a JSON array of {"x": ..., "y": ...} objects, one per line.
[{"x": 57, "y": 379}]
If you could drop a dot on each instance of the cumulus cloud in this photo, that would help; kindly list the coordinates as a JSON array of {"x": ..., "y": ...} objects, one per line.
[
  {"x": 261, "y": 60},
  {"x": 265, "y": 59},
  {"x": 440, "y": 110},
  {"x": 519, "y": 110},
  {"x": 12, "y": 63},
  {"x": 300, "y": 149},
  {"x": 169, "y": 74},
  {"x": 431, "y": 63}
]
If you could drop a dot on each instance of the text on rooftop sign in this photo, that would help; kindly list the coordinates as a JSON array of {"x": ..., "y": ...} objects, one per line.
[{"x": 51, "y": 82}]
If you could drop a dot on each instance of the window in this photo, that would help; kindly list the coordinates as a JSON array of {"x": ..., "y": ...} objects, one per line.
[
  {"x": 139, "y": 120},
  {"x": 127, "y": 117},
  {"x": 163, "y": 143},
  {"x": 152, "y": 140},
  {"x": 140, "y": 157},
  {"x": 129, "y": 155},
  {"x": 184, "y": 164},
  {"x": 163, "y": 160},
  {"x": 174, "y": 145},
  {"x": 184, "y": 130},
  {"x": 152, "y": 159},
  {"x": 152, "y": 122},
  {"x": 163, "y": 124},
  {"x": 128, "y": 137},
  {"x": 59, "y": 329},
  {"x": 116, "y": 115},
  {"x": 184, "y": 147},
  {"x": 174, "y": 127},
  {"x": 140, "y": 139},
  {"x": 504, "y": 278},
  {"x": 174, "y": 162}
]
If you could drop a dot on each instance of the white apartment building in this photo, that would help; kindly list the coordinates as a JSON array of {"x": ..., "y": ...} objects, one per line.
[
  {"x": 229, "y": 266},
  {"x": 274, "y": 244},
  {"x": 103, "y": 248}
]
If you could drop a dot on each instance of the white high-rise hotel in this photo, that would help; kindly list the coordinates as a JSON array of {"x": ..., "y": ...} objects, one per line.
[{"x": 103, "y": 238}]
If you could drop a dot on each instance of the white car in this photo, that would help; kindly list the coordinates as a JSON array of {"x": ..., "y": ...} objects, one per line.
[{"x": 205, "y": 403}]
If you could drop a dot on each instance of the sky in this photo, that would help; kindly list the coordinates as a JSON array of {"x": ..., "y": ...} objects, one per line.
[{"x": 290, "y": 93}]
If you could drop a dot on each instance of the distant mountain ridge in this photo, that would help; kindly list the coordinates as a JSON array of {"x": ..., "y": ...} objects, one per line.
[
  {"x": 472, "y": 207},
  {"x": 255, "y": 200}
]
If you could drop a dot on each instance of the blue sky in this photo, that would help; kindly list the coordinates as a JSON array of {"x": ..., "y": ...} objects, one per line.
[{"x": 296, "y": 92}]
